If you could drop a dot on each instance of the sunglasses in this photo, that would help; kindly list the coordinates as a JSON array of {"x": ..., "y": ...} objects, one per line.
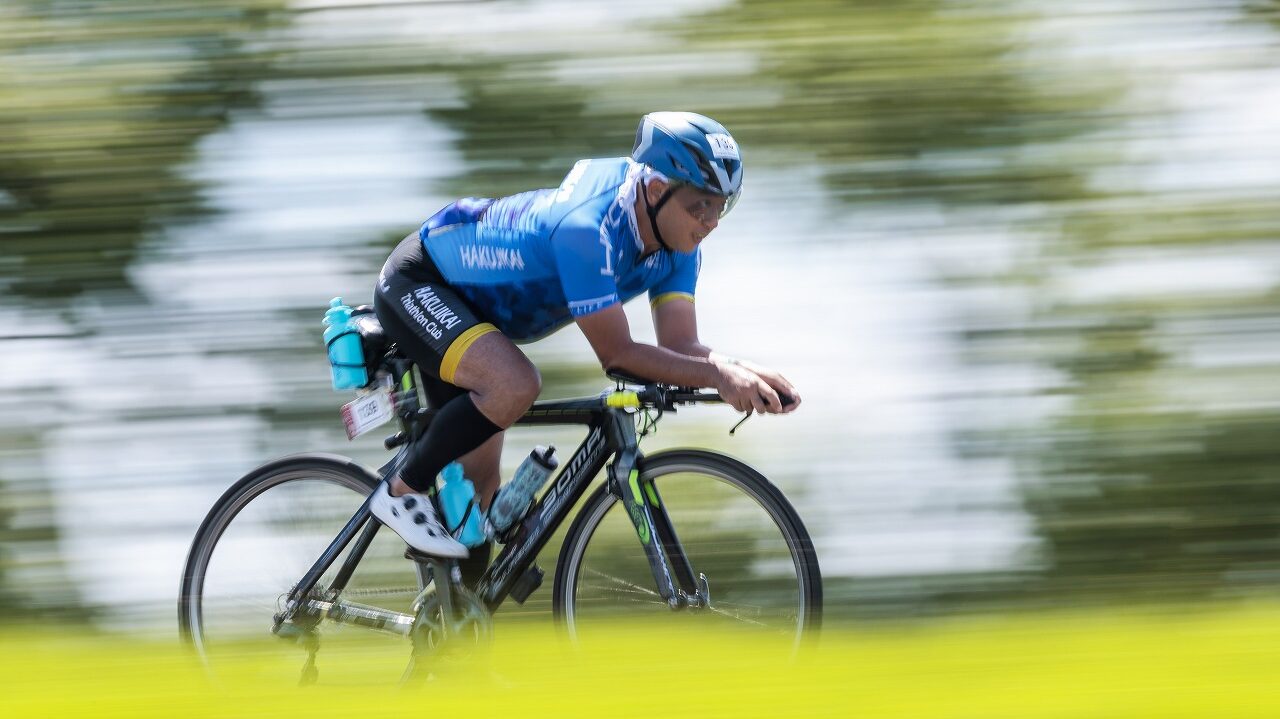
[{"x": 705, "y": 207}]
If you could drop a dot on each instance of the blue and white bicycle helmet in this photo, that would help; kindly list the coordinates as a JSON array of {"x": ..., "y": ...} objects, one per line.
[{"x": 690, "y": 149}]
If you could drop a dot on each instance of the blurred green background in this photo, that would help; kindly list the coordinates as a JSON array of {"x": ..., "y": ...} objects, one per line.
[{"x": 1021, "y": 258}]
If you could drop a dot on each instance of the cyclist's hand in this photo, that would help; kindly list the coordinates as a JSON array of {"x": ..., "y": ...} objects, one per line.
[
  {"x": 746, "y": 391},
  {"x": 780, "y": 384}
]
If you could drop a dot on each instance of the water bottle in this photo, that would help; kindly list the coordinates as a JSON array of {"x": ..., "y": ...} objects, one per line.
[
  {"x": 346, "y": 356},
  {"x": 514, "y": 499},
  {"x": 461, "y": 510}
]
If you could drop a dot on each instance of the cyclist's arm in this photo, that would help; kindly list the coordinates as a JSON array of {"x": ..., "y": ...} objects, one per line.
[
  {"x": 676, "y": 323},
  {"x": 584, "y": 259},
  {"x": 610, "y": 336}
]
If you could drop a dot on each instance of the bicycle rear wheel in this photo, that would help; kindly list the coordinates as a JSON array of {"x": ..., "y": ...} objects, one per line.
[
  {"x": 735, "y": 527},
  {"x": 256, "y": 544}
]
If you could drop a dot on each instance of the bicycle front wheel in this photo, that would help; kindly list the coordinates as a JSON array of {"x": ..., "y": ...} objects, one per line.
[
  {"x": 257, "y": 543},
  {"x": 735, "y": 527}
]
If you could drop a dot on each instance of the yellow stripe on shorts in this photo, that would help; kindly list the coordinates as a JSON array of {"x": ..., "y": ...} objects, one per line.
[
  {"x": 458, "y": 347},
  {"x": 667, "y": 297}
]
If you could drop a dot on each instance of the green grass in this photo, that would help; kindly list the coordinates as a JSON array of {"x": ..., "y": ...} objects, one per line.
[{"x": 1212, "y": 662}]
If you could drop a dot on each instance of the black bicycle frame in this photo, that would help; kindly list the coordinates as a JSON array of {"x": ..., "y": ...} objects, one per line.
[{"x": 610, "y": 432}]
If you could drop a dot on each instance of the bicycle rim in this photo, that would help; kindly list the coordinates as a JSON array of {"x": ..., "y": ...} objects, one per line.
[
  {"x": 735, "y": 528},
  {"x": 262, "y": 541}
]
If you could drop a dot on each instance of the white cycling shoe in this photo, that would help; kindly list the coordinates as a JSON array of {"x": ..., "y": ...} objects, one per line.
[{"x": 413, "y": 517}]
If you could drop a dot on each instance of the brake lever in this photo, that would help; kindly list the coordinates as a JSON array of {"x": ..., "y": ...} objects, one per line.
[{"x": 786, "y": 400}]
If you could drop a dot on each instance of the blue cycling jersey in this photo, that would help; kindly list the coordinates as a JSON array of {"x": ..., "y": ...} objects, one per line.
[{"x": 532, "y": 262}]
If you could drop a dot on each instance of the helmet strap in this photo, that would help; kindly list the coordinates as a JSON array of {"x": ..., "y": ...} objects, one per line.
[{"x": 652, "y": 211}]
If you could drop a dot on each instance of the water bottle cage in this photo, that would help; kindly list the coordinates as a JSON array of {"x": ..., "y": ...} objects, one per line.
[
  {"x": 505, "y": 534},
  {"x": 456, "y": 531},
  {"x": 328, "y": 346}
]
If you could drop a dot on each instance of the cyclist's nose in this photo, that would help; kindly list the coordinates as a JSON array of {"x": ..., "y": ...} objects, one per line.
[{"x": 710, "y": 222}]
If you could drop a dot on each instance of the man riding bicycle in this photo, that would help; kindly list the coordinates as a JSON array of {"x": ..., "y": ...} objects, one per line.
[{"x": 483, "y": 274}]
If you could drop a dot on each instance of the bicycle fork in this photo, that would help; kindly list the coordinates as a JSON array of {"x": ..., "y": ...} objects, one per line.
[{"x": 676, "y": 580}]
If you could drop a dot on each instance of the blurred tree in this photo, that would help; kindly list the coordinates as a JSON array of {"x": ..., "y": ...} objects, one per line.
[
  {"x": 907, "y": 100},
  {"x": 523, "y": 130},
  {"x": 101, "y": 102},
  {"x": 1264, "y": 10},
  {"x": 1136, "y": 485},
  {"x": 1160, "y": 473},
  {"x": 891, "y": 101}
]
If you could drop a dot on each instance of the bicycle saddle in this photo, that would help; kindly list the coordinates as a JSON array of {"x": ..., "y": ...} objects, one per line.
[{"x": 372, "y": 337}]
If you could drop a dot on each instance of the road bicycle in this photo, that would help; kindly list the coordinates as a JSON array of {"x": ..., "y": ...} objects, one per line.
[{"x": 265, "y": 561}]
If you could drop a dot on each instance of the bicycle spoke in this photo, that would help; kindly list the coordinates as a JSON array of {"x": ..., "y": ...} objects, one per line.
[
  {"x": 636, "y": 596},
  {"x": 738, "y": 617},
  {"x": 625, "y": 583},
  {"x": 755, "y": 609},
  {"x": 629, "y": 599}
]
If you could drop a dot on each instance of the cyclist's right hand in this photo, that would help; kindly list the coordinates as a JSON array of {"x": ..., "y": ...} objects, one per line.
[{"x": 745, "y": 391}]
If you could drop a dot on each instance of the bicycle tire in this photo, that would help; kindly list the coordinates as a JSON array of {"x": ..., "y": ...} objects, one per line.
[
  {"x": 350, "y": 483},
  {"x": 662, "y": 467}
]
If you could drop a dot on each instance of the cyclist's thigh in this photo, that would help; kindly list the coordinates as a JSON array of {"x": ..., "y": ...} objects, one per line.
[
  {"x": 494, "y": 363},
  {"x": 428, "y": 320}
]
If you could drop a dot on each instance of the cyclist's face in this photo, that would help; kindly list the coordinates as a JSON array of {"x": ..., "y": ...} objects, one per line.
[{"x": 688, "y": 217}]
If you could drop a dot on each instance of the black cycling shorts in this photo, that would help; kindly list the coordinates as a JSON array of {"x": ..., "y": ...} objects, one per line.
[{"x": 427, "y": 319}]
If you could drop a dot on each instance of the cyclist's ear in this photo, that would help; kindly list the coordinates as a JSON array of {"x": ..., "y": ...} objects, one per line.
[{"x": 654, "y": 189}]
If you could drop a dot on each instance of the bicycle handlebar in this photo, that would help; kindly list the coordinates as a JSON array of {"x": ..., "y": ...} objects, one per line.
[{"x": 684, "y": 395}]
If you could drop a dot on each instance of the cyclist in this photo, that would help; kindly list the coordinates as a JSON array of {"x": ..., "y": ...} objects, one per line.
[{"x": 483, "y": 274}]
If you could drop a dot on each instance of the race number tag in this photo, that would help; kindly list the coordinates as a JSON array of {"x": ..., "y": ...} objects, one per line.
[
  {"x": 723, "y": 146},
  {"x": 364, "y": 413}
]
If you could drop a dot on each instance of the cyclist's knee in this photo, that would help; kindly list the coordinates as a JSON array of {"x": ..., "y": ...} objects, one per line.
[
  {"x": 504, "y": 379},
  {"x": 528, "y": 387},
  {"x": 517, "y": 391},
  {"x": 505, "y": 395}
]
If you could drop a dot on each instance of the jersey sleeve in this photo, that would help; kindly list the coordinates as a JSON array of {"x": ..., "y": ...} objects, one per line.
[
  {"x": 678, "y": 285},
  {"x": 583, "y": 260}
]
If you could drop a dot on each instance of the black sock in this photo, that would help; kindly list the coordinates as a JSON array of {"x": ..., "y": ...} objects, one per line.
[{"x": 456, "y": 429}]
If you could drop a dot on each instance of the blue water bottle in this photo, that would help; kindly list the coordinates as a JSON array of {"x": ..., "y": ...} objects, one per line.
[
  {"x": 461, "y": 510},
  {"x": 346, "y": 356}
]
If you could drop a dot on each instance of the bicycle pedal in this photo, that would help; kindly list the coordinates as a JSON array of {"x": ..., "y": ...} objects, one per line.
[{"x": 527, "y": 583}]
